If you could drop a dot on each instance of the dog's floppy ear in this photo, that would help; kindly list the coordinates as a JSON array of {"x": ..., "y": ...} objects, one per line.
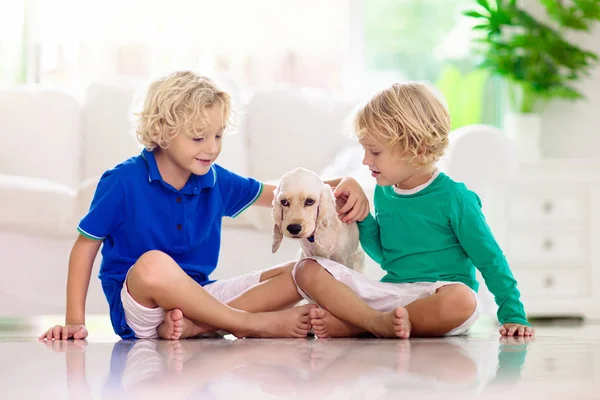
[
  {"x": 277, "y": 215},
  {"x": 328, "y": 224}
]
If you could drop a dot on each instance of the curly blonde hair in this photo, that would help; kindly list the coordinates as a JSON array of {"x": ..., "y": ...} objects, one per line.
[
  {"x": 176, "y": 103},
  {"x": 408, "y": 117}
]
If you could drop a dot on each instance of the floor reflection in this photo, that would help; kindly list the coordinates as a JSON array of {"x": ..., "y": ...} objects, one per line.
[{"x": 299, "y": 369}]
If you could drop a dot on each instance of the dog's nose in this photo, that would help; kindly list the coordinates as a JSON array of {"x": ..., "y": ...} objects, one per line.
[{"x": 294, "y": 229}]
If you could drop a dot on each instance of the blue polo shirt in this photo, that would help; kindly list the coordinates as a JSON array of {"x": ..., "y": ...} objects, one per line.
[{"x": 134, "y": 211}]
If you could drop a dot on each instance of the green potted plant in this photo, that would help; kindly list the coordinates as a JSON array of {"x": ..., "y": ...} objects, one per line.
[{"x": 534, "y": 58}]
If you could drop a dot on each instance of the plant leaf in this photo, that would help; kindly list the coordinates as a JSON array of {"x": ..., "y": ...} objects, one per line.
[
  {"x": 484, "y": 4},
  {"x": 473, "y": 14}
]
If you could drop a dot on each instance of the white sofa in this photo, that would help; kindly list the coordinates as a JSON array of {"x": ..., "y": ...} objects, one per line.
[{"x": 54, "y": 148}]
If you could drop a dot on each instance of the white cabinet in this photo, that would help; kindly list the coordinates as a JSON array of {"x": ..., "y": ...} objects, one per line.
[{"x": 547, "y": 221}]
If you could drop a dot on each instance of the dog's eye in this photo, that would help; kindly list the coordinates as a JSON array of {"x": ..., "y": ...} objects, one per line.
[
  {"x": 285, "y": 203},
  {"x": 309, "y": 202}
]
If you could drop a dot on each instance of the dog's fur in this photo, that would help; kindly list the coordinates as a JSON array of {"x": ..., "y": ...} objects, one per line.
[{"x": 310, "y": 204}]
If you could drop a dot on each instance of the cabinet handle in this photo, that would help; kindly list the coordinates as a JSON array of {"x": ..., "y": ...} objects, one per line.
[
  {"x": 548, "y": 282},
  {"x": 548, "y": 244},
  {"x": 548, "y": 207}
]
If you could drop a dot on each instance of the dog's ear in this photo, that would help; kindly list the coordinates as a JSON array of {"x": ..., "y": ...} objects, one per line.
[
  {"x": 277, "y": 215},
  {"x": 328, "y": 226}
]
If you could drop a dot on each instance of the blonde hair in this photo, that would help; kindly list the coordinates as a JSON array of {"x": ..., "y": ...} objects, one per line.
[
  {"x": 175, "y": 103},
  {"x": 408, "y": 117}
]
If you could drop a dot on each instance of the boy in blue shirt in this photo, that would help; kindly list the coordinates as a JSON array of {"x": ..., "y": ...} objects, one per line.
[{"x": 158, "y": 216}]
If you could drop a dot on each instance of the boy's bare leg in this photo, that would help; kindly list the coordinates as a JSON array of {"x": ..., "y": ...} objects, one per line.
[
  {"x": 443, "y": 311},
  {"x": 275, "y": 291},
  {"x": 431, "y": 316},
  {"x": 157, "y": 281},
  {"x": 342, "y": 302}
]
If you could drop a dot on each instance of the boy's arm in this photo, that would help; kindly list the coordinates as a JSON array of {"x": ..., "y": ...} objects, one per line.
[
  {"x": 106, "y": 213},
  {"x": 477, "y": 240},
  {"x": 370, "y": 238},
  {"x": 266, "y": 196},
  {"x": 81, "y": 261}
]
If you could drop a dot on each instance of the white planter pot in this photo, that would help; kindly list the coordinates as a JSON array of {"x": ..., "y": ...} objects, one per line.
[{"x": 526, "y": 131}]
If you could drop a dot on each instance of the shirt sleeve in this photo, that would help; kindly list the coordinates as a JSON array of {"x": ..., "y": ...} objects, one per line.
[
  {"x": 107, "y": 209},
  {"x": 481, "y": 247},
  {"x": 238, "y": 192},
  {"x": 370, "y": 238}
]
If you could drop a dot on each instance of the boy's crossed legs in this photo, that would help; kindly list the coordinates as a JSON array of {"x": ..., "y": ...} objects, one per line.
[
  {"x": 268, "y": 290},
  {"x": 156, "y": 283},
  {"x": 449, "y": 310}
]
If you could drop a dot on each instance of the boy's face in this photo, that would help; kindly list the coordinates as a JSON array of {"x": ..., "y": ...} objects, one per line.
[
  {"x": 387, "y": 165},
  {"x": 197, "y": 155}
]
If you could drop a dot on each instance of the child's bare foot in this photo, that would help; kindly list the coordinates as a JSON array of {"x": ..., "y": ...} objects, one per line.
[
  {"x": 176, "y": 326},
  {"x": 402, "y": 325},
  {"x": 289, "y": 323},
  {"x": 326, "y": 325},
  {"x": 394, "y": 324}
]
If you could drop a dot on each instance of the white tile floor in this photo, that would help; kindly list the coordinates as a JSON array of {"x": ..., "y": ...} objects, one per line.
[{"x": 560, "y": 363}]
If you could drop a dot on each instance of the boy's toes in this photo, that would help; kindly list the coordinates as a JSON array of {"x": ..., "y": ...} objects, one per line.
[
  {"x": 321, "y": 333},
  {"x": 177, "y": 333},
  {"x": 317, "y": 322},
  {"x": 301, "y": 332},
  {"x": 318, "y": 313},
  {"x": 402, "y": 326}
]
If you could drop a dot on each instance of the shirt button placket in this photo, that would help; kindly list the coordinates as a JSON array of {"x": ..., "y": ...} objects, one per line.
[{"x": 178, "y": 200}]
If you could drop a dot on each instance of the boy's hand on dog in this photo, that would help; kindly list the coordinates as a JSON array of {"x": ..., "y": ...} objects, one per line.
[{"x": 354, "y": 204}]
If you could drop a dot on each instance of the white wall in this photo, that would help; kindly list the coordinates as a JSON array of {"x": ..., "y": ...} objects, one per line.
[{"x": 571, "y": 129}]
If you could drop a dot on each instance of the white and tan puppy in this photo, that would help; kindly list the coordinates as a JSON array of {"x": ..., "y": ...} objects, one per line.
[{"x": 304, "y": 208}]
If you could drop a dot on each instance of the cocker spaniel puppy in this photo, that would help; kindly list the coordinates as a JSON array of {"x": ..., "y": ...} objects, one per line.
[{"x": 304, "y": 208}]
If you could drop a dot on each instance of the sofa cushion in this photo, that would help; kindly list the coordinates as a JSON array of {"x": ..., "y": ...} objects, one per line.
[
  {"x": 108, "y": 130},
  {"x": 41, "y": 137},
  {"x": 37, "y": 206},
  {"x": 289, "y": 128}
]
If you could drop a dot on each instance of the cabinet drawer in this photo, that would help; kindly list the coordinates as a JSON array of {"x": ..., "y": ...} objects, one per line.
[
  {"x": 548, "y": 247},
  {"x": 534, "y": 282},
  {"x": 553, "y": 207}
]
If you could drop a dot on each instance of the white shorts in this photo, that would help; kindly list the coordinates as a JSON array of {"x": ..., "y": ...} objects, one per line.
[
  {"x": 384, "y": 296},
  {"x": 144, "y": 321}
]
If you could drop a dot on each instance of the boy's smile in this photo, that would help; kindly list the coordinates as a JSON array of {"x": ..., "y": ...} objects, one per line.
[{"x": 204, "y": 162}]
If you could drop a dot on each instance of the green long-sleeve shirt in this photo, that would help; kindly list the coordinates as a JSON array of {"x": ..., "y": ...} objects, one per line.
[{"x": 439, "y": 234}]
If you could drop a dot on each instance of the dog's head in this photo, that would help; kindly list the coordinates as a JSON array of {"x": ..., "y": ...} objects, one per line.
[{"x": 304, "y": 207}]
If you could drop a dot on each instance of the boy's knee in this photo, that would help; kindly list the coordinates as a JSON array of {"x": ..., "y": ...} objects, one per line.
[
  {"x": 305, "y": 271},
  {"x": 151, "y": 268},
  {"x": 460, "y": 303}
]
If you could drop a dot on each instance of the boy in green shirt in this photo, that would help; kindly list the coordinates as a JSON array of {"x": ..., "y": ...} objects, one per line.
[{"x": 428, "y": 234}]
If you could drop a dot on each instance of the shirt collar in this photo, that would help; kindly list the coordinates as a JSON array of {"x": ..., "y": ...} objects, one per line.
[
  {"x": 418, "y": 188},
  {"x": 192, "y": 186}
]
